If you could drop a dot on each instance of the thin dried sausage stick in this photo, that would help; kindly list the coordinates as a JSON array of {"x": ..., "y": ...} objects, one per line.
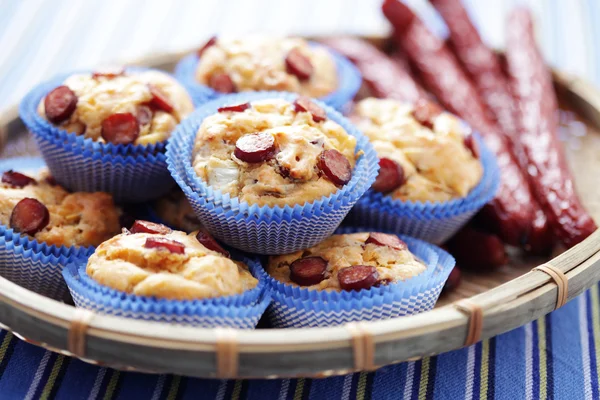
[
  {"x": 511, "y": 212},
  {"x": 551, "y": 180}
]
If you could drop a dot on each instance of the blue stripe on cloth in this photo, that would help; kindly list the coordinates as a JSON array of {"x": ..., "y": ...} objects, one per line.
[
  {"x": 135, "y": 385},
  {"x": 592, "y": 347},
  {"x": 452, "y": 369},
  {"x": 549, "y": 358},
  {"x": 535, "y": 362},
  {"x": 566, "y": 352},
  {"x": 510, "y": 363},
  {"x": 492, "y": 369},
  {"x": 389, "y": 382},
  {"x": 79, "y": 378},
  {"x": 258, "y": 388},
  {"x": 477, "y": 371},
  {"x": 21, "y": 360},
  {"x": 416, "y": 380},
  {"x": 208, "y": 388}
]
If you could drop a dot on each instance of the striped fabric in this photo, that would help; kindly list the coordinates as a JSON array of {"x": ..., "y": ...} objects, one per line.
[{"x": 555, "y": 357}]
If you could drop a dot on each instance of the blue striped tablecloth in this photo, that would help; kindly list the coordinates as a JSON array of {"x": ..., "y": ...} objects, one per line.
[{"x": 554, "y": 357}]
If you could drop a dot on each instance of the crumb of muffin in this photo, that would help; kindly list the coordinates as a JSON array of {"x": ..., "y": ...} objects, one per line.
[
  {"x": 302, "y": 160},
  {"x": 176, "y": 266},
  {"x": 154, "y": 102},
  {"x": 266, "y": 63},
  {"x": 386, "y": 255},
  {"x": 432, "y": 152}
]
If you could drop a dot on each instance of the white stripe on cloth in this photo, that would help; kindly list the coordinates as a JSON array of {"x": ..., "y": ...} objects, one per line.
[
  {"x": 38, "y": 376},
  {"x": 222, "y": 389},
  {"x": 529, "y": 361},
  {"x": 470, "y": 373},
  {"x": 97, "y": 383},
  {"x": 346, "y": 386},
  {"x": 585, "y": 345},
  {"x": 160, "y": 383},
  {"x": 285, "y": 386},
  {"x": 410, "y": 378}
]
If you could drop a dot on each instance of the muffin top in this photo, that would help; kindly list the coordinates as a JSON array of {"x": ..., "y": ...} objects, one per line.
[
  {"x": 348, "y": 262},
  {"x": 425, "y": 154},
  {"x": 47, "y": 212},
  {"x": 274, "y": 152},
  {"x": 253, "y": 63},
  {"x": 175, "y": 210},
  {"x": 153, "y": 260},
  {"x": 118, "y": 107}
]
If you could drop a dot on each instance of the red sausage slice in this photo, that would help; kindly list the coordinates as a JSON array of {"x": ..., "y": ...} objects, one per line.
[
  {"x": 473, "y": 146},
  {"x": 16, "y": 179},
  {"x": 308, "y": 271},
  {"x": 235, "y": 108},
  {"x": 120, "y": 128},
  {"x": 210, "y": 243},
  {"x": 140, "y": 226},
  {"x": 298, "y": 64},
  {"x": 163, "y": 243},
  {"x": 255, "y": 147},
  {"x": 222, "y": 83},
  {"x": 335, "y": 166},
  {"x": 453, "y": 280},
  {"x": 384, "y": 239},
  {"x": 391, "y": 176},
  {"x": 305, "y": 104},
  {"x": 358, "y": 277},
  {"x": 159, "y": 101},
  {"x": 109, "y": 73},
  {"x": 29, "y": 216},
  {"x": 60, "y": 104},
  {"x": 211, "y": 42},
  {"x": 425, "y": 112}
]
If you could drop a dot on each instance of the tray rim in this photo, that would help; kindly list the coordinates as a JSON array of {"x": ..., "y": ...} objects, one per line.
[{"x": 276, "y": 353}]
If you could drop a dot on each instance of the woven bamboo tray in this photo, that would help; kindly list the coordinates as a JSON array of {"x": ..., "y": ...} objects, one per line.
[{"x": 509, "y": 297}]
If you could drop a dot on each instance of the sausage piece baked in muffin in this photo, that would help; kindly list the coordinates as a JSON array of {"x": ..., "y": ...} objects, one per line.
[
  {"x": 348, "y": 262},
  {"x": 153, "y": 260},
  {"x": 274, "y": 152},
  {"x": 255, "y": 63},
  {"x": 120, "y": 107},
  {"x": 47, "y": 212},
  {"x": 425, "y": 154}
]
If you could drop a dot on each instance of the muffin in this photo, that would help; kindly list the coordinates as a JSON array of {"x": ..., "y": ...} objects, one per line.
[
  {"x": 154, "y": 273},
  {"x": 270, "y": 172},
  {"x": 43, "y": 227},
  {"x": 424, "y": 154},
  {"x": 118, "y": 107},
  {"x": 353, "y": 261},
  {"x": 153, "y": 260},
  {"x": 355, "y": 275},
  {"x": 176, "y": 211},
  {"x": 274, "y": 152},
  {"x": 261, "y": 63},
  {"x": 434, "y": 174},
  {"x": 106, "y": 130},
  {"x": 48, "y": 213}
]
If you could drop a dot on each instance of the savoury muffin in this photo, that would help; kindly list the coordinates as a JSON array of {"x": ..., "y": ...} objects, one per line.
[
  {"x": 153, "y": 260},
  {"x": 274, "y": 152},
  {"x": 119, "y": 107},
  {"x": 48, "y": 213},
  {"x": 254, "y": 63},
  {"x": 424, "y": 154},
  {"x": 352, "y": 261}
]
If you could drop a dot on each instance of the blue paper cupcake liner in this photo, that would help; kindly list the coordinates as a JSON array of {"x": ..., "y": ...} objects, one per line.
[
  {"x": 433, "y": 222},
  {"x": 238, "y": 311},
  {"x": 130, "y": 179},
  {"x": 266, "y": 230},
  {"x": 349, "y": 81},
  {"x": 25, "y": 261},
  {"x": 28, "y": 111},
  {"x": 297, "y": 307}
]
